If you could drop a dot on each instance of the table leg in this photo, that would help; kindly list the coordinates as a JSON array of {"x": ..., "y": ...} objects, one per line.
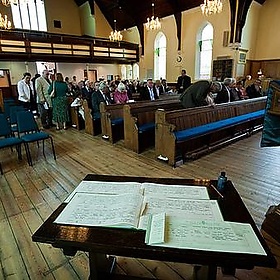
[
  {"x": 100, "y": 266},
  {"x": 204, "y": 272}
]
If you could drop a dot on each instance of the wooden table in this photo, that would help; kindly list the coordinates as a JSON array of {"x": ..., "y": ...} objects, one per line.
[{"x": 100, "y": 242}]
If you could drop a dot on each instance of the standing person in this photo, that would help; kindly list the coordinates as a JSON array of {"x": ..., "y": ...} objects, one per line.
[
  {"x": 198, "y": 94},
  {"x": 100, "y": 95},
  {"x": 44, "y": 102},
  {"x": 148, "y": 92},
  {"x": 87, "y": 91},
  {"x": 25, "y": 91},
  {"x": 183, "y": 82},
  {"x": 34, "y": 107},
  {"x": 58, "y": 92}
]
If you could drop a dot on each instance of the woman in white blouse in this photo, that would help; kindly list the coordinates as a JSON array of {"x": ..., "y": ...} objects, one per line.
[{"x": 25, "y": 89}]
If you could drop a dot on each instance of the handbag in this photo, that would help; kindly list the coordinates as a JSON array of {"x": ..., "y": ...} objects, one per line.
[{"x": 53, "y": 91}]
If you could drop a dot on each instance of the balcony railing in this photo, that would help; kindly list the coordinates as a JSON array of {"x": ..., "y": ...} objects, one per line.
[{"x": 33, "y": 45}]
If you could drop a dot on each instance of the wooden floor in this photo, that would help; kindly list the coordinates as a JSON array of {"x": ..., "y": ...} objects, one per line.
[{"x": 28, "y": 195}]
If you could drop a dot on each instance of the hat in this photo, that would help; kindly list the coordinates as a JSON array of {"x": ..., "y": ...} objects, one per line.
[{"x": 121, "y": 87}]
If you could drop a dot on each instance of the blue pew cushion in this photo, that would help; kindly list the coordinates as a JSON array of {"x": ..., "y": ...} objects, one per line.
[
  {"x": 193, "y": 132},
  {"x": 146, "y": 127},
  {"x": 117, "y": 121}
]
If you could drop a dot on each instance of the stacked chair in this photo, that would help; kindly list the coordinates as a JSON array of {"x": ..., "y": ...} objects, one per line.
[
  {"x": 29, "y": 132},
  {"x": 7, "y": 139}
]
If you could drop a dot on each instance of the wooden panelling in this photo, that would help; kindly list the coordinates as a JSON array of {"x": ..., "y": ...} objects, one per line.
[{"x": 270, "y": 68}]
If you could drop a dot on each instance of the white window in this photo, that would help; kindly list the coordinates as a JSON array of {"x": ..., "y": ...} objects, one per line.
[
  {"x": 204, "y": 52},
  {"x": 29, "y": 15},
  {"x": 160, "y": 56}
]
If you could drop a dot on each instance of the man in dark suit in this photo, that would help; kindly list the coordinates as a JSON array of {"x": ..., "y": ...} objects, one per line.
[
  {"x": 183, "y": 82},
  {"x": 99, "y": 96},
  {"x": 255, "y": 89},
  {"x": 87, "y": 91},
  {"x": 149, "y": 92}
]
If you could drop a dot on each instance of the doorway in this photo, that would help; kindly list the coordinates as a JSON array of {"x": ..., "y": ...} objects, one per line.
[{"x": 91, "y": 75}]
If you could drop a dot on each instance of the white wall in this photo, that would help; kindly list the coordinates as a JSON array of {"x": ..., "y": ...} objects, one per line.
[{"x": 77, "y": 69}]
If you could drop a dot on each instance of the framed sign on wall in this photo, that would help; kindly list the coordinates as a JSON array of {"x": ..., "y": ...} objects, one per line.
[{"x": 242, "y": 57}]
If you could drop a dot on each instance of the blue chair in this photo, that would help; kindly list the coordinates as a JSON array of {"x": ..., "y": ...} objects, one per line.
[
  {"x": 29, "y": 132},
  {"x": 13, "y": 117},
  {"x": 6, "y": 138}
]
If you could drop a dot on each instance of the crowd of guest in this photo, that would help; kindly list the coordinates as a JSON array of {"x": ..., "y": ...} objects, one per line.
[
  {"x": 48, "y": 98},
  {"x": 203, "y": 93}
]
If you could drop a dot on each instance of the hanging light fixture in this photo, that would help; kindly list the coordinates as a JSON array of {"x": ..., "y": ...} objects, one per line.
[
  {"x": 115, "y": 35},
  {"x": 210, "y": 7},
  {"x": 7, "y": 3},
  {"x": 153, "y": 23},
  {"x": 4, "y": 22}
]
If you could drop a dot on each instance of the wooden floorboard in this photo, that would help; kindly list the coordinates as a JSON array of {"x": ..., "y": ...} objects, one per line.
[{"x": 28, "y": 195}]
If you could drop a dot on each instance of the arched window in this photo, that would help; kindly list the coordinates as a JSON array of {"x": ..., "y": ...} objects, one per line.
[
  {"x": 135, "y": 71},
  {"x": 29, "y": 15},
  {"x": 204, "y": 52},
  {"x": 160, "y": 56}
]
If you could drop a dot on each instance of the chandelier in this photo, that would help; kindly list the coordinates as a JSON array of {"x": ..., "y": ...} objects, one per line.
[
  {"x": 7, "y": 3},
  {"x": 153, "y": 23},
  {"x": 4, "y": 22},
  {"x": 210, "y": 7},
  {"x": 115, "y": 35}
]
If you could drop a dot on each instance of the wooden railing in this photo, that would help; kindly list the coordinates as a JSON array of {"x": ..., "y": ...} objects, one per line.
[{"x": 25, "y": 46}]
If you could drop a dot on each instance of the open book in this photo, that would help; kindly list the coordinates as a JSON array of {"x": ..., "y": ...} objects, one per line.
[
  {"x": 127, "y": 204},
  {"x": 173, "y": 216}
]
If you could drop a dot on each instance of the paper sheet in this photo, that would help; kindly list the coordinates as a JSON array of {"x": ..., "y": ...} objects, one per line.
[
  {"x": 211, "y": 236},
  {"x": 106, "y": 188},
  {"x": 193, "y": 209},
  {"x": 176, "y": 191}
]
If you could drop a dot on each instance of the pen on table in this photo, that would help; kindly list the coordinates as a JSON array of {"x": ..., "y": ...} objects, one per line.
[{"x": 217, "y": 191}]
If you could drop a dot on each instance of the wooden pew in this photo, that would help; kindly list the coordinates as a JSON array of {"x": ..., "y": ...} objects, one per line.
[
  {"x": 112, "y": 117},
  {"x": 92, "y": 127},
  {"x": 1, "y": 101},
  {"x": 181, "y": 132},
  {"x": 139, "y": 122},
  {"x": 112, "y": 121}
]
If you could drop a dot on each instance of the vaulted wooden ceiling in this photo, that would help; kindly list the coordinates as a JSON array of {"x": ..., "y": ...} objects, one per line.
[{"x": 130, "y": 13}]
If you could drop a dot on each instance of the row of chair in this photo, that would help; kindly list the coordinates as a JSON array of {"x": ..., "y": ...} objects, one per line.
[{"x": 23, "y": 124}]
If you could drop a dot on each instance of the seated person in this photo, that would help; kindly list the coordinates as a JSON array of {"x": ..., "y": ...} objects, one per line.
[
  {"x": 78, "y": 102},
  {"x": 120, "y": 95},
  {"x": 197, "y": 94},
  {"x": 148, "y": 91},
  {"x": 164, "y": 87},
  {"x": 235, "y": 94},
  {"x": 224, "y": 95},
  {"x": 254, "y": 90},
  {"x": 240, "y": 88}
]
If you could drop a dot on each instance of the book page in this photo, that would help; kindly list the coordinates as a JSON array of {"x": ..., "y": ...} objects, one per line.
[
  {"x": 106, "y": 188},
  {"x": 176, "y": 191},
  {"x": 87, "y": 209},
  {"x": 211, "y": 236}
]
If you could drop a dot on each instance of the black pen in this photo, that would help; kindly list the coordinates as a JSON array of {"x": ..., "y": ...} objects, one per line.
[{"x": 217, "y": 191}]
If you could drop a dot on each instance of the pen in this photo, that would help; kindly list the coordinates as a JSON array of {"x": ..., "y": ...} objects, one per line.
[{"x": 217, "y": 191}]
